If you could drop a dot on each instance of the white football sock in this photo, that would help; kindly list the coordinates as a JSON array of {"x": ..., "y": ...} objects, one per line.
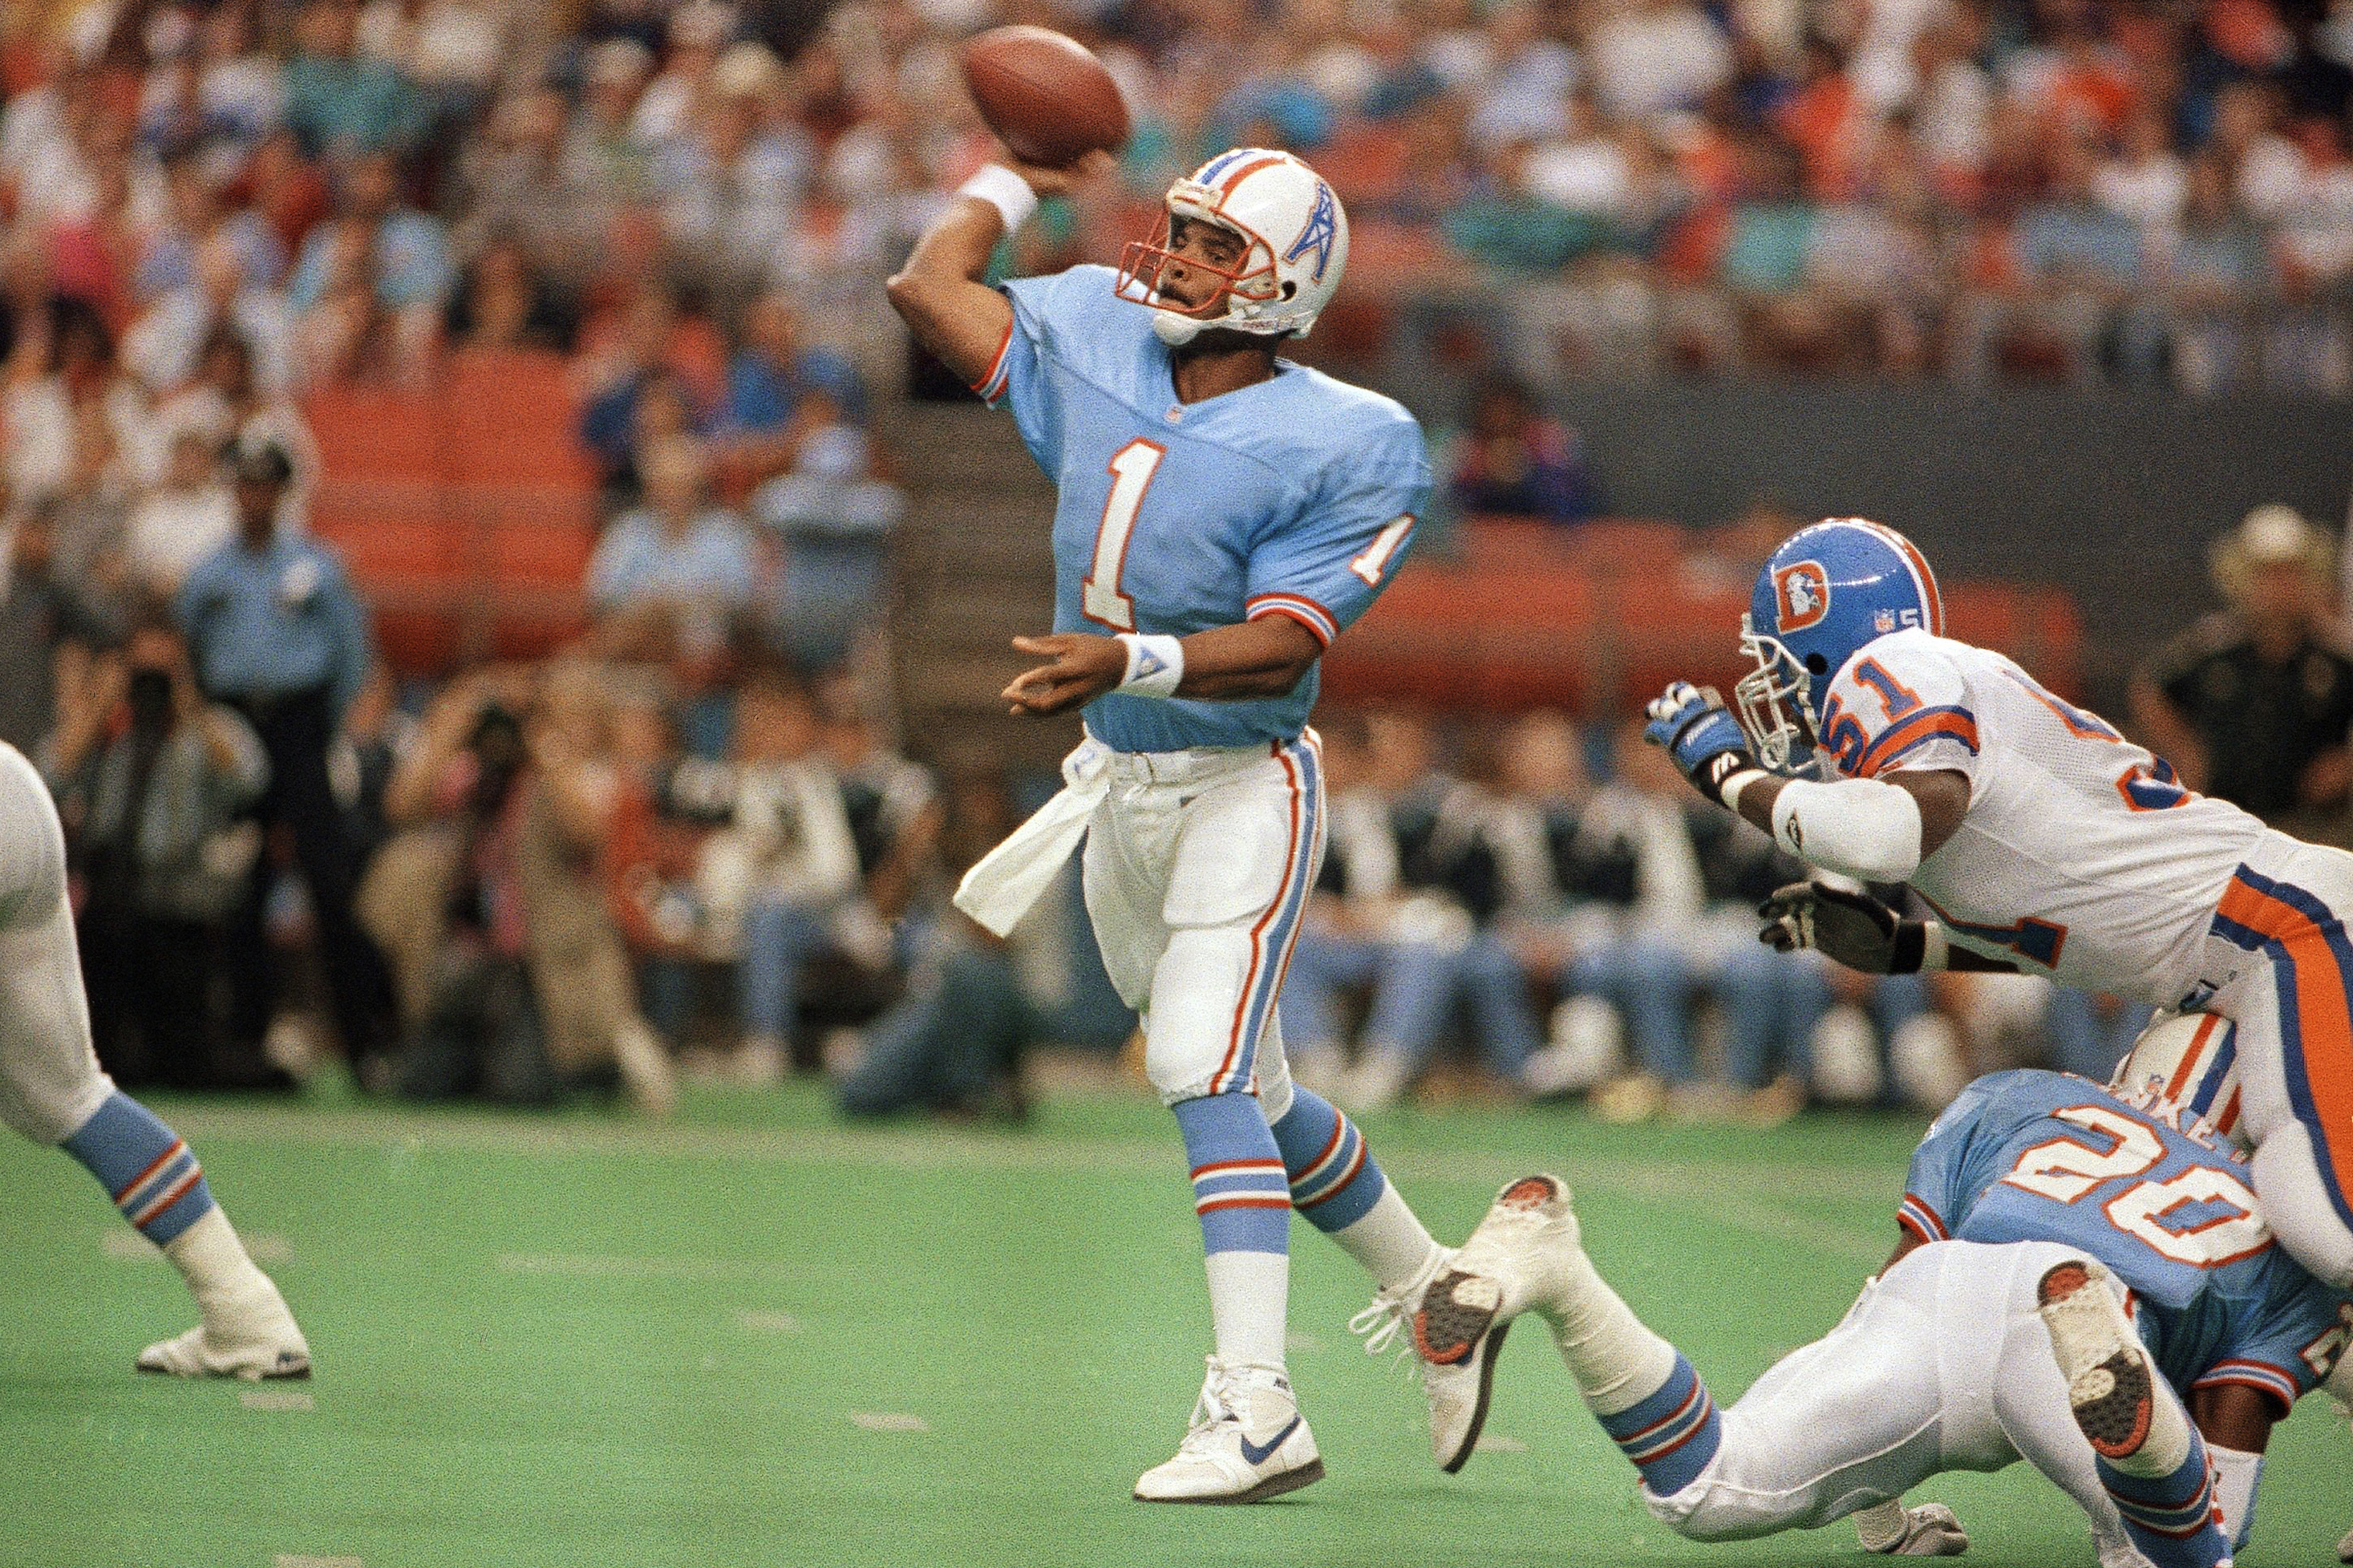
[
  {"x": 1616, "y": 1362},
  {"x": 1249, "y": 1301},
  {"x": 220, "y": 1275},
  {"x": 1391, "y": 1243}
]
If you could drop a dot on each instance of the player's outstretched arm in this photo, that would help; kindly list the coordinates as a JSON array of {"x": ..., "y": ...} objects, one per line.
[
  {"x": 1874, "y": 829},
  {"x": 1261, "y": 658},
  {"x": 939, "y": 293}
]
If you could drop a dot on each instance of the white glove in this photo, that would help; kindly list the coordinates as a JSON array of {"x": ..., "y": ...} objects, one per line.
[{"x": 1890, "y": 1529}]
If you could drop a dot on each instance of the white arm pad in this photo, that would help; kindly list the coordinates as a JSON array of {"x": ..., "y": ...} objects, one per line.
[
  {"x": 2235, "y": 1474},
  {"x": 1863, "y": 828}
]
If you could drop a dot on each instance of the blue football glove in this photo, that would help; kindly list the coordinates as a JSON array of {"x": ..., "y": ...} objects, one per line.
[{"x": 1705, "y": 741}]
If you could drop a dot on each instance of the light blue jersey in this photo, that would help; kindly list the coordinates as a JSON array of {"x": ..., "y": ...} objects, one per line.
[
  {"x": 1297, "y": 497},
  {"x": 2048, "y": 1157}
]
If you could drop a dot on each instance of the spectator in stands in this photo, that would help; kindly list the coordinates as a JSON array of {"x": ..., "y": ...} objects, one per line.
[
  {"x": 276, "y": 632},
  {"x": 186, "y": 518},
  {"x": 677, "y": 570},
  {"x": 787, "y": 863},
  {"x": 832, "y": 520},
  {"x": 504, "y": 301},
  {"x": 89, "y": 507},
  {"x": 1512, "y": 461},
  {"x": 339, "y": 104},
  {"x": 649, "y": 352},
  {"x": 377, "y": 266},
  {"x": 50, "y": 632},
  {"x": 2254, "y": 704},
  {"x": 47, "y": 413},
  {"x": 779, "y": 389},
  {"x": 2082, "y": 265},
  {"x": 165, "y": 346},
  {"x": 153, "y": 782},
  {"x": 1439, "y": 946},
  {"x": 228, "y": 402},
  {"x": 731, "y": 187},
  {"x": 2214, "y": 272}
]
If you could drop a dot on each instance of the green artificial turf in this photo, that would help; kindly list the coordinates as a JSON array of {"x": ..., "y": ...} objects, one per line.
[{"x": 751, "y": 1337}]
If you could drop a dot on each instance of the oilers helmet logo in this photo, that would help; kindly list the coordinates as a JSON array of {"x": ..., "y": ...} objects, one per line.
[
  {"x": 1319, "y": 233},
  {"x": 1803, "y": 590}
]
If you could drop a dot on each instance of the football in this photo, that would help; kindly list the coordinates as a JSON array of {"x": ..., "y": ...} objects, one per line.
[{"x": 1049, "y": 100}]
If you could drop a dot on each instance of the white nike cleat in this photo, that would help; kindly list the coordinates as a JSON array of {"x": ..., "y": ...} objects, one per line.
[
  {"x": 1248, "y": 1442},
  {"x": 1515, "y": 1260},
  {"x": 261, "y": 1342},
  {"x": 1931, "y": 1530},
  {"x": 2110, "y": 1388}
]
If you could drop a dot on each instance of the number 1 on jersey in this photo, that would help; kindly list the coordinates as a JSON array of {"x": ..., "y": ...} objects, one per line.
[{"x": 1100, "y": 599}]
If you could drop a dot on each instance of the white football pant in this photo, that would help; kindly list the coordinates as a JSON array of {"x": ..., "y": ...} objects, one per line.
[
  {"x": 1198, "y": 867},
  {"x": 50, "y": 1082},
  {"x": 1941, "y": 1364}
]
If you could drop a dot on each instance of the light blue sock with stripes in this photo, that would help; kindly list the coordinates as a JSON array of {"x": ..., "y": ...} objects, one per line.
[
  {"x": 1243, "y": 1200},
  {"x": 1338, "y": 1187},
  {"x": 1671, "y": 1433},
  {"x": 143, "y": 1166}
]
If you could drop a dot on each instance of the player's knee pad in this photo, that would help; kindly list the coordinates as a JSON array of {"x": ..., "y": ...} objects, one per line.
[{"x": 1207, "y": 1013}]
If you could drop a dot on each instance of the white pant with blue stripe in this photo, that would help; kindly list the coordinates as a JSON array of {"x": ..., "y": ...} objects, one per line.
[
  {"x": 1942, "y": 1364},
  {"x": 1198, "y": 868}
]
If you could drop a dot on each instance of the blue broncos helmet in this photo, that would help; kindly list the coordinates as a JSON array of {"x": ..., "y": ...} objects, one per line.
[{"x": 1827, "y": 590}]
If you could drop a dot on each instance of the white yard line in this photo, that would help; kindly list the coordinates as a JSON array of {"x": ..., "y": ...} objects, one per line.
[{"x": 1739, "y": 1194}]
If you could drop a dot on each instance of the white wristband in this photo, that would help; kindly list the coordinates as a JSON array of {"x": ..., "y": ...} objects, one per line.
[
  {"x": 1156, "y": 665},
  {"x": 1006, "y": 191}
]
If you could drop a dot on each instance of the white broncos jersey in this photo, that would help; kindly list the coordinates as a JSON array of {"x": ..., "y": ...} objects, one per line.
[{"x": 2080, "y": 857}]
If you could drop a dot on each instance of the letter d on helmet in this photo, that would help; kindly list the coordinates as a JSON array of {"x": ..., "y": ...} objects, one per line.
[{"x": 1826, "y": 591}]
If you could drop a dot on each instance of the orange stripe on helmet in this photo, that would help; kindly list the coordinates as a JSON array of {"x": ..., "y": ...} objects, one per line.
[{"x": 1227, "y": 186}]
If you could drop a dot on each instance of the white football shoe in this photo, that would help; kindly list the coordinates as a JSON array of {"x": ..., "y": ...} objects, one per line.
[
  {"x": 257, "y": 1340},
  {"x": 2111, "y": 1386},
  {"x": 1890, "y": 1529},
  {"x": 1516, "y": 1260},
  {"x": 1456, "y": 1389},
  {"x": 1247, "y": 1443}
]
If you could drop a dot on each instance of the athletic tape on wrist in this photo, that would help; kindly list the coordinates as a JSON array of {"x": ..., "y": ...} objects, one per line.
[
  {"x": 1738, "y": 786},
  {"x": 1936, "y": 951},
  {"x": 1156, "y": 665},
  {"x": 1006, "y": 191}
]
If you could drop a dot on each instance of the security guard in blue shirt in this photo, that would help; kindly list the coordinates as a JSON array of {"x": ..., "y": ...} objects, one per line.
[{"x": 276, "y": 632}]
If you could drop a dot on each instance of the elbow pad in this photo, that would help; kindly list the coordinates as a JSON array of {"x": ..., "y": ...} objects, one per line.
[
  {"x": 1865, "y": 827},
  {"x": 2235, "y": 1477}
]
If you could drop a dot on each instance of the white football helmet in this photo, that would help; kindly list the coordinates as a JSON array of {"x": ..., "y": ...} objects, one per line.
[
  {"x": 2189, "y": 1060},
  {"x": 1298, "y": 238}
]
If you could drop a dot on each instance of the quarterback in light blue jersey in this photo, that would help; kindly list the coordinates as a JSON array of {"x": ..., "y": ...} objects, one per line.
[{"x": 1223, "y": 515}]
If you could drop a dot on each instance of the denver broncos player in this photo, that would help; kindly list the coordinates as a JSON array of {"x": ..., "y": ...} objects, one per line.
[
  {"x": 2044, "y": 841},
  {"x": 2083, "y": 1281},
  {"x": 1223, "y": 515}
]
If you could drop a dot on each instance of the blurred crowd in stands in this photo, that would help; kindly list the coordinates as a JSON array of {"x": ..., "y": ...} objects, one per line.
[{"x": 694, "y": 842}]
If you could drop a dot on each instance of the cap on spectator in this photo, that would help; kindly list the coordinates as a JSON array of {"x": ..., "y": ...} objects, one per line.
[
  {"x": 2272, "y": 535},
  {"x": 260, "y": 461},
  {"x": 619, "y": 62},
  {"x": 746, "y": 70}
]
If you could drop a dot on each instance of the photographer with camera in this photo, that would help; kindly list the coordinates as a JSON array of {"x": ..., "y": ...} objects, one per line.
[
  {"x": 513, "y": 984},
  {"x": 152, "y": 781}
]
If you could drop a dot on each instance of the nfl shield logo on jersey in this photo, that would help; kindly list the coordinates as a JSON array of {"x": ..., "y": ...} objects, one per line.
[
  {"x": 1882, "y": 621},
  {"x": 1804, "y": 589}
]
